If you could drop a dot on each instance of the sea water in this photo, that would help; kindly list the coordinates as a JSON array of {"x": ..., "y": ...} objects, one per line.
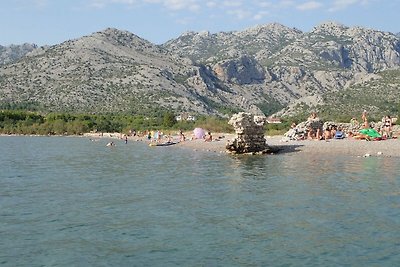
[{"x": 69, "y": 201}]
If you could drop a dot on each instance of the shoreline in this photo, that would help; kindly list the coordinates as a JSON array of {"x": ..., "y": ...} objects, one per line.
[
  {"x": 334, "y": 147},
  {"x": 347, "y": 147}
]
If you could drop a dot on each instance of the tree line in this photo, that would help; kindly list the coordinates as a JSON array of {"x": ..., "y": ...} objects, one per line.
[{"x": 31, "y": 122}]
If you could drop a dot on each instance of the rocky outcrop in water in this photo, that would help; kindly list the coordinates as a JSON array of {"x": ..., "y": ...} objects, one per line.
[{"x": 250, "y": 134}]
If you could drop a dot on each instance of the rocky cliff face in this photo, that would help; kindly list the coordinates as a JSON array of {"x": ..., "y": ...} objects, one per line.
[
  {"x": 243, "y": 70},
  {"x": 263, "y": 41},
  {"x": 252, "y": 70},
  {"x": 295, "y": 67}
]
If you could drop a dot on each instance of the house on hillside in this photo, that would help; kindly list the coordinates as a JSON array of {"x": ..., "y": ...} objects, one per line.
[
  {"x": 274, "y": 120},
  {"x": 185, "y": 117}
]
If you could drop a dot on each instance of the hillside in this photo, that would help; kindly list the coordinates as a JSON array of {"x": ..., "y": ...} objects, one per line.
[
  {"x": 262, "y": 69},
  {"x": 291, "y": 66},
  {"x": 378, "y": 96},
  {"x": 108, "y": 71},
  {"x": 12, "y": 53}
]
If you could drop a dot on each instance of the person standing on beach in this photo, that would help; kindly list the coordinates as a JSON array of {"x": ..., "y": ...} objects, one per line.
[
  {"x": 365, "y": 119},
  {"x": 387, "y": 126},
  {"x": 315, "y": 126},
  {"x": 181, "y": 136}
]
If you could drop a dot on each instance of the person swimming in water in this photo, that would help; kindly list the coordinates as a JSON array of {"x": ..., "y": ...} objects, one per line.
[{"x": 110, "y": 144}]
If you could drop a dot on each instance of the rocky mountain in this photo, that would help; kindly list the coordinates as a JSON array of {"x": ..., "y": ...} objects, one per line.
[
  {"x": 12, "y": 53},
  {"x": 262, "y": 69},
  {"x": 290, "y": 66},
  {"x": 108, "y": 71}
]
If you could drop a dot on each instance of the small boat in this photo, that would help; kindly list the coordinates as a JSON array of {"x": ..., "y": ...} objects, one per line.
[{"x": 163, "y": 144}]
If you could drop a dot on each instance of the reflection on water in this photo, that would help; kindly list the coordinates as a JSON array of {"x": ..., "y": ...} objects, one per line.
[{"x": 69, "y": 201}]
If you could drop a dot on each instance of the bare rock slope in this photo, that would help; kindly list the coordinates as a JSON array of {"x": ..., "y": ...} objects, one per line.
[{"x": 262, "y": 70}]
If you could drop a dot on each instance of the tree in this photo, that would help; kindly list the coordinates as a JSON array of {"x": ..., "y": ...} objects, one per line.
[{"x": 169, "y": 119}]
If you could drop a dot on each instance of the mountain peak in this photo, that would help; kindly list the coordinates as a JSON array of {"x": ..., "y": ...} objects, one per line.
[
  {"x": 270, "y": 27},
  {"x": 330, "y": 27},
  {"x": 122, "y": 37}
]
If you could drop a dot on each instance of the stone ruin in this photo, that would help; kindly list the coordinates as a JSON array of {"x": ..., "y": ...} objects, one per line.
[{"x": 250, "y": 134}]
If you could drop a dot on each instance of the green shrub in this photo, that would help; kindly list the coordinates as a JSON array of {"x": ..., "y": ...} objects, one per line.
[{"x": 214, "y": 124}]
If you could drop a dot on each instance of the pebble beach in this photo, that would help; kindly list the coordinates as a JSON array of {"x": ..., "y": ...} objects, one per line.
[
  {"x": 334, "y": 147},
  {"x": 347, "y": 146}
]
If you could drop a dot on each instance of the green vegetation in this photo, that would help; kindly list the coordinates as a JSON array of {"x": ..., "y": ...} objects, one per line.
[
  {"x": 181, "y": 79},
  {"x": 220, "y": 107},
  {"x": 27, "y": 122},
  {"x": 33, "y": 106},
  {"x": 277, "y": 128},
  {"x": 214, "y": 124},
  {"x": 269, "y": 106}
]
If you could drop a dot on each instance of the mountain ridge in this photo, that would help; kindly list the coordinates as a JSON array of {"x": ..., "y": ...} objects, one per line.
[{"x": 260, "y": 69}]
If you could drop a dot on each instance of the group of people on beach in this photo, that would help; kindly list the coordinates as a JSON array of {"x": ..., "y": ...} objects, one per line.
[
  {"x": 158, "y": 137},
  {"x": 385, "y": 128},
  {"x": 315, "y": 129},
  {"x": 333, "y": 133}
]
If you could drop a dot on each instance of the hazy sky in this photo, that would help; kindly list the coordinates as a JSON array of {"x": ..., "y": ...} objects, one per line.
[{"x": 55, "y": 21}]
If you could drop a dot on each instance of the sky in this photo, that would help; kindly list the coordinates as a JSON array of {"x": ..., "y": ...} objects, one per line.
[{"x": 49, "y": 22}]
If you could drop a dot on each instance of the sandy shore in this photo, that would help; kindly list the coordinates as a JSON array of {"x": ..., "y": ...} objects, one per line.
[
  {"x": 352, "y": 147},
  {"x": 348, "y": 146}
]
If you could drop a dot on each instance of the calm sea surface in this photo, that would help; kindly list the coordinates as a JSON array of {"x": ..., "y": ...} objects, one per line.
[{"x": 73, "y": 202}]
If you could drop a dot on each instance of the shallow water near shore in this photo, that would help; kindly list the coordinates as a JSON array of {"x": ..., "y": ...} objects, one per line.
[{"x": 69, "y": 201}]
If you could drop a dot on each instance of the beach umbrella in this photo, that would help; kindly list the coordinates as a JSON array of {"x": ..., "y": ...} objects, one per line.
[{"x": 199, "y": 133}]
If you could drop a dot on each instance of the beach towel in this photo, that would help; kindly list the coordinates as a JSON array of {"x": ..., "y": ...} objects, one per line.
[{"x": 370, "y": 132}]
